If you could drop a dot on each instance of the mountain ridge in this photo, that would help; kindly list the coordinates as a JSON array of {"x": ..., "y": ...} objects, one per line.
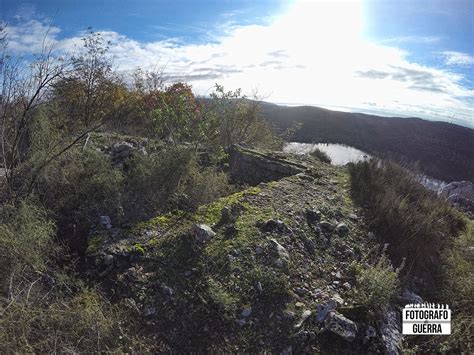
[{"x": 443, "y": 150}]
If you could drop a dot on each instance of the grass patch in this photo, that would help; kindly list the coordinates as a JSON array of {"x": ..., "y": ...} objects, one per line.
[
  {"x": 223, "y": 299},
  {"x": 82, "y": 323},
  {"x": 436, "y": 240},
  {"x": 458, "y": 292},
  {"x": 416, "y": 224}
]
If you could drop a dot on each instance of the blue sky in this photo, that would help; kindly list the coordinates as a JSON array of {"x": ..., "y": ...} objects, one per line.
[{"x": 409, "y": 58}]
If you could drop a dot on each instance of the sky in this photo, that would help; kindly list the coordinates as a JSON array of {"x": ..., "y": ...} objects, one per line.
[{"x": 387, "y": 57}]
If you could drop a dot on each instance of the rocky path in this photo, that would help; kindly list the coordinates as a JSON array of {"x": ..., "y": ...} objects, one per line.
[{"x": 269, "y": 268}]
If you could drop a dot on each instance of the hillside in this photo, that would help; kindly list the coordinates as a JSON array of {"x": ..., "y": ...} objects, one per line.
[
  {"x": 444, "y": 151},
  {"x": 290, "y": 265},
  {"x": 278, "y": 258},
  {"x": 293, "y": 261},
  {"x": 136, "y": 219}
]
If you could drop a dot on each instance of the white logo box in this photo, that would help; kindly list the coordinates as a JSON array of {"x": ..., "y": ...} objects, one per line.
[{"x": 426, "y": 319}]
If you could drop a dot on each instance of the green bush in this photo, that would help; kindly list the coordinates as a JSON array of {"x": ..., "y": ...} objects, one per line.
[
  {"x": 321, "y": 156},
  {"x": 82, "y": 323},
  {"x": 152, "y": 180},
  {"x": 25, "y": 242},
  {"x": 79, "y": 188},
  {"x": 84, "y": 184},
  {"x": 204, "y": 185},
  {"x": 376, "y": 285},
  {"x": 415, "y": 223},
  {"x": 42, "y": 310}
]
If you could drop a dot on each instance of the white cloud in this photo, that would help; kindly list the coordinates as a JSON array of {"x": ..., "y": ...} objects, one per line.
[
  {"x": 29, "y": 35},
  {"x": 313, "y": 54},
  {"x": 458, "y": 58},
  {"x": 414, "y": 39}
]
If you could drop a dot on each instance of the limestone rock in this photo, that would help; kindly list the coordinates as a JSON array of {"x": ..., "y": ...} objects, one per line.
[
  {"x": 149, "y": 311},
  {"x": 105, "y": 222},
  {"x": 240, "y": 322},
  {"x": 246, "y": 312},
  {"x": 325, "y": 225},
  {"x": 353, "y": 216},
  {"x": 409, "y": 297},
  {"x": 108, "y": 259},
  {"x": 252, "y": 167},
  {"x": 322, "y": 311},
  {"x": 342, "y": 228},
  {"x": 283, "y": 256},
  {"x": 272, "y": 225},
  {"x": 340, "y": 325},
  {"x": 122, "y": 150},
  {"x": 390, "y": 330},
  {"x": 203, "y": 233},
  {"x": 458, "y": 191},
  {"x": 304, "y": 316}
]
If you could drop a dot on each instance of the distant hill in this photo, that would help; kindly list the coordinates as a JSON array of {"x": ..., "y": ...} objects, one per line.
[{"x": 444, "y": 151}]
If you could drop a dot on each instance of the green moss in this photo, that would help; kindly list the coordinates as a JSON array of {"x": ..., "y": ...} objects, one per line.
[
  {"x": 272, "y": 184},
  {"x": 137, "y": 248},
  {"x": 166, "y": 220},
  {"x": 93, "y": 243},
  {"x": 222, "y": 298},
  {"x": 211, "y": 213}
]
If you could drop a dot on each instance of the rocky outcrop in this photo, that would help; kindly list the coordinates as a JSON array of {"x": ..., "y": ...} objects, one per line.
[
  {"x": 340, "y": 325},
  {"x": 252, "y": 167},
  {"x": 458, "y": 192},
  {"x": 123, "y": 150},
  {"x": 390, "y": 330},
  {"x": 202, "y": 233}
]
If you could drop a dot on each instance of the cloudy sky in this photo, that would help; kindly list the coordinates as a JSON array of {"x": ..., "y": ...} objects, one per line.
[{"x": 391, "y": 57}]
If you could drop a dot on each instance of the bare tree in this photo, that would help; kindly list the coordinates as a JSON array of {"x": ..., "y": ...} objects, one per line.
[{"x": 23, "y": 86}]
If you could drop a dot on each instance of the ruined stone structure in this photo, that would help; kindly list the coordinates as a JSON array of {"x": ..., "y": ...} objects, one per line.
[{"x": 253, "y": 167}]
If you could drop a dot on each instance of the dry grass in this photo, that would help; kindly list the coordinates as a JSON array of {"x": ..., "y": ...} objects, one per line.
[{"x": 417, "y": 225}]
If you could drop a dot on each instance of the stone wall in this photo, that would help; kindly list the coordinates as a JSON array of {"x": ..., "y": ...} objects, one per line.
[{"x": 253, "y": 167}]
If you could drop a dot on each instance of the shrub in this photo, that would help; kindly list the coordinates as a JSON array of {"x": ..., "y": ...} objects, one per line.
[
  {"x": 79, "y": 188},
  {"x": 415, "y": 223},
  {"x": 152, "y": 180},
  {"x": 321, "y": 156},
  {"x": 84, "y": 184},
  {"x": 42, "y": 310},
  {"x": 204, "y": 185},
  {"x": 84, "y": 322},
  {"x": 25, "y": 242},
  {"x": 377, "y": 285}
]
